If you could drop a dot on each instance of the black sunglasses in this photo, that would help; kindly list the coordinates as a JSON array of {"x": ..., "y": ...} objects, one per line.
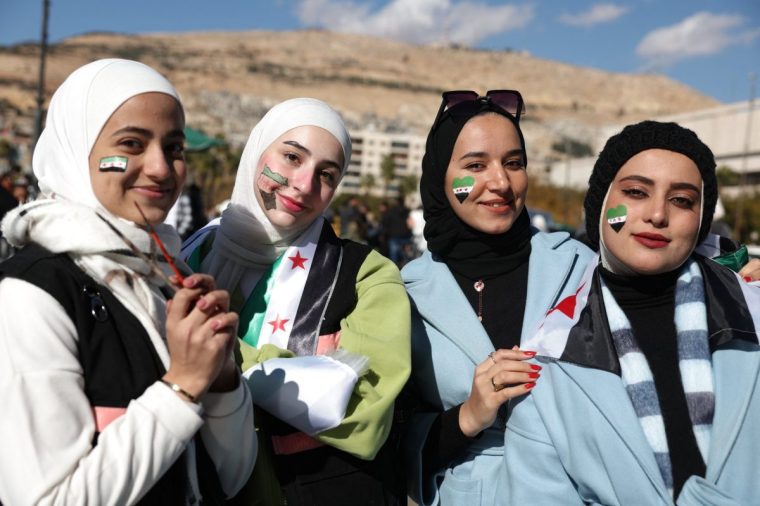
[{"x": 508, "y": 100}]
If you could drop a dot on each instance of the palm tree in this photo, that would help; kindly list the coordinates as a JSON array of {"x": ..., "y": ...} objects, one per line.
[
  {"x": 388, "y": 171},
  {"x": 367, "y": 182}
]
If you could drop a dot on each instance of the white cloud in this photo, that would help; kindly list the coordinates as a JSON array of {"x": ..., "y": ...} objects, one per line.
[
  {"x": 596, "y": 15},
  {"x": 701, "y": 34},
  {"x": 418, "y": 21}
]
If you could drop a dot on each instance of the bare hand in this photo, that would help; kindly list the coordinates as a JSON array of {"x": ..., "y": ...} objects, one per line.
[
  {"x": 511, "y": 376},
  {"x": 751, "y": 270},
  {"x": 200, "y": 334}
]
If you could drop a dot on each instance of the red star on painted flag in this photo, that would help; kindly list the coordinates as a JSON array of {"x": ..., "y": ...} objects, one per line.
[
  {"x": 298, "y": 261},
  {"x": 567, "y": 305},
  {"x": 278, "y": 324}
]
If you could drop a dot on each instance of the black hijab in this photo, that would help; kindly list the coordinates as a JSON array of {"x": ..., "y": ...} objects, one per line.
[{"x": 465, "y": 250}]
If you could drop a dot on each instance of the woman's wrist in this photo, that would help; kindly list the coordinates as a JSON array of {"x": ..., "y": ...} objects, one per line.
[
  {"x": 228, "y": 379},
  {"x": 466, "y": 424},
  {"x": 185, "y": 388}
]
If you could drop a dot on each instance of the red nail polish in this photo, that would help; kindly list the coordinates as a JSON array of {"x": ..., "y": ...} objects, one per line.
[
  {"x": 529, "y": 353},
  {"x": 535, "y": 367},
  {"x": 528, "y": 386},
  {"x": 534, "y": 375},
  {"x": 747, "y": 279}
]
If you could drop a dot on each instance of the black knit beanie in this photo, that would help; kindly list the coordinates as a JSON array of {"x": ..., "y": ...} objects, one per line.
[{"x": 633, "y": 140}]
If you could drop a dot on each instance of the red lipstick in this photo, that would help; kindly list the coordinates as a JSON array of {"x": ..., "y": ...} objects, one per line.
[
  {"x": 291, "y": 205},
  {"x": 652, "y": 241}
]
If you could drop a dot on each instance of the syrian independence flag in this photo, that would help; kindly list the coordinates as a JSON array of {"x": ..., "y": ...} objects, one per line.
[{"x": 550, "y": 338}]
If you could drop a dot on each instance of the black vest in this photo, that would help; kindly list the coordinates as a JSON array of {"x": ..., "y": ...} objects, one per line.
[{"x": 117, "y": 357}]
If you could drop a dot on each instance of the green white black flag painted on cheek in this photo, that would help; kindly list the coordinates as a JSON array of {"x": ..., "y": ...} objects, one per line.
[
  {"x": 113, "y": 164},
  {"x": 462, "y": 187},
  {"x": 616, "y": 217}
]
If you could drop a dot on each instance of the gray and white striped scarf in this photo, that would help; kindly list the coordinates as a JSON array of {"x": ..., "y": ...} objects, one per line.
[{"x": 694, "y": 362}]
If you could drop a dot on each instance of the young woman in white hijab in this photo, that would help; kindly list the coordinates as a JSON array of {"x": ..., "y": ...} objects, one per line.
[
  {"x": 111, "y": 395},
  {"x": 324, "y": 332}
]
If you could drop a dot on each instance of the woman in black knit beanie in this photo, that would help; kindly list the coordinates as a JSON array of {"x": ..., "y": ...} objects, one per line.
[{"x": 652, "y": 393}]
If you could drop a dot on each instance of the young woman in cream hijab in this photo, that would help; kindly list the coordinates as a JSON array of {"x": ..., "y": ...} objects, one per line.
[
  {"x": 111, "y": 395},
  {"x": 324, "y": 333}
]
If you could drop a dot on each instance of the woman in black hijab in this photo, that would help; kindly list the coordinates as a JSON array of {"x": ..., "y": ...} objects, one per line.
[{"x": 486, "y": 281}]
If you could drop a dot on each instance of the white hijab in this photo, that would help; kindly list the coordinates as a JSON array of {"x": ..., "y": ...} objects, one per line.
[
  {"x": 64, "y": 221},
  {"x": 78, "y": 111},
  {"x": 246, "y": 239}
]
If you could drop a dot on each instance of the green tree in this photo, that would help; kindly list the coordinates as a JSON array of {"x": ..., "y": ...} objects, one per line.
[
  {"x": 727, "y": 177},
  {"x": 388, "y": 171},
  {"x": 214, "y": 170},
  {"x": 367, "y": 182},
  {"x": 408, "y": 185},
  {"x": 750, "y": 222}
]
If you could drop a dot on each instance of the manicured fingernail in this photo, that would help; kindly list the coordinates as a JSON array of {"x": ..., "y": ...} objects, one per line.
[
  {"x": 747, "y": 279},
  {"x": 190, "y": 282},
  {"x": 201, "y": 304},
  {"x": 216, "y": 325},
  {"x": 515, "y": 347},
  {"x": 535, "y": 367},
  {"x": 528, "y": 386},
  {"x": 534, "y": 375},
  {"x": 529, "y": 353}
]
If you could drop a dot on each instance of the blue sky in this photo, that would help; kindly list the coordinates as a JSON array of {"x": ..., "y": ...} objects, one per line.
[{"x": 711, "y": 45}]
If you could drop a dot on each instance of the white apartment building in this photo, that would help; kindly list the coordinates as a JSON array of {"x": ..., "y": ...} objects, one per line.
[
  {"x": 369, "y": 148},
  {"x": 724, "y": 129}
]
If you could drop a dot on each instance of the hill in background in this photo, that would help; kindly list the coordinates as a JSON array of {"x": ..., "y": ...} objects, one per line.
[{"x": 228, "y": 80}]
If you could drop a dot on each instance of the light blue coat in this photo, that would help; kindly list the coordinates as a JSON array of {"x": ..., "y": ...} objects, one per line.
[
  {"x": 576, "y": 440},
  {"x": 448, "y": 342}
]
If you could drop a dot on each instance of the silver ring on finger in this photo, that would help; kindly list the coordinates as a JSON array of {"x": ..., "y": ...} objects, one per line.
[
  {"x": 496, "y": 386},
  {"x": 490, "y": 355}
]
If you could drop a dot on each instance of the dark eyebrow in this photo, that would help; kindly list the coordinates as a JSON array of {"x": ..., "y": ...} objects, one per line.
[
  {"x": 145, "y": 132},
  {"x": 674, "y": 186},
  {"x": 306, "y": 150},
  {"x": 298, "y": 146},
  {"x": 483, "y": 154},
  {"x": 640, "y": 179},
  {"x": 685, "y": 186}
]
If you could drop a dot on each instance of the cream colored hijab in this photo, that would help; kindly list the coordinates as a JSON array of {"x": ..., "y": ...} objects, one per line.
[
  {"x": 246, "y": 239},
  {"x": 64, "y": 220}
]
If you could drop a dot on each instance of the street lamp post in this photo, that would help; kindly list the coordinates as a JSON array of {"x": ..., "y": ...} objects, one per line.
[
  {"x": 41, "y": 79},
  {"x": 747, "y": 138}
]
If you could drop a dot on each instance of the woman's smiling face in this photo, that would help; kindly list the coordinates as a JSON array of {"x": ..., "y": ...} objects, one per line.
[
  {"x": 297, "y": 176},
  {"x": 653, "y": 211},
  {"x": 486, "y": 183},
  {"x": 138, "y": 157}
]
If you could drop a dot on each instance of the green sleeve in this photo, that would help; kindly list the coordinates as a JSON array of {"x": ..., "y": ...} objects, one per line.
[{"x": 378, "y": 328}]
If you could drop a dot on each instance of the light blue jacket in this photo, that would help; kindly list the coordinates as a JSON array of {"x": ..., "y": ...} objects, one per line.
[
  {"x": 448, "y": 342},
  {"x": 576, "y": 438}
]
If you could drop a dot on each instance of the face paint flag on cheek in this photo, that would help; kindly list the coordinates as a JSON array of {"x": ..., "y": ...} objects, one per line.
[
  {"x": 462, "y": 187},
  {"x": 113, "y": 164},
  {"x": 616, "y": 217},
  {"x": 269, "y": 181}
]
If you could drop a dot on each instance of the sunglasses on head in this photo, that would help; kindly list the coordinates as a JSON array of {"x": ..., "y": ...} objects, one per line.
[{"x": 509, "y": 100}]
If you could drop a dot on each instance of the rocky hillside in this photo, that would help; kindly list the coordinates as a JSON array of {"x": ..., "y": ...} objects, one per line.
[{"x": 227, "y": 80}]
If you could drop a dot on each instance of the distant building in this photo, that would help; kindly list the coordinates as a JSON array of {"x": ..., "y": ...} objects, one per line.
[
  {"x": 369, "y": 148},
  {"x": 723, "y": 128}
]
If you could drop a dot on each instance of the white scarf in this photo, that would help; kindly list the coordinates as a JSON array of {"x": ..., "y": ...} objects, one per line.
[
  {"x": 65, "y": 227},
  {"x": 246, "y": 239}
]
